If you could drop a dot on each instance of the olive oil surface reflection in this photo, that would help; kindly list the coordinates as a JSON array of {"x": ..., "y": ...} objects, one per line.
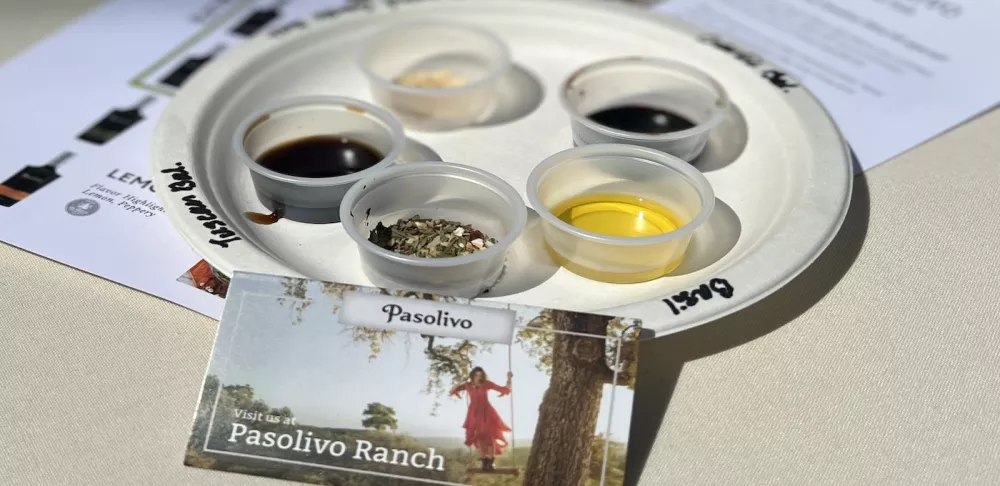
[{"x": 621, "y": 216}]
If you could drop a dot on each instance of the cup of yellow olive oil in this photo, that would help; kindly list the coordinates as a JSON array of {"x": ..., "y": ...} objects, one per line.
[{"x": 619, "y": 213}]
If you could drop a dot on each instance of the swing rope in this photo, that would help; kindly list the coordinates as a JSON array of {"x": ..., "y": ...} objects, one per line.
[
  {"x": 467, "y": 404},
  {"x": 513, "y": 437}
]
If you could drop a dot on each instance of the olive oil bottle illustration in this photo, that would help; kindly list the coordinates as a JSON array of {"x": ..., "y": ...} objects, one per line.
[
  {"x": 182, "y": 73},
  {"x": 30, "y": 180},
  {"x": 115, "y": 123},
  {"x": 258, "y": 19}
]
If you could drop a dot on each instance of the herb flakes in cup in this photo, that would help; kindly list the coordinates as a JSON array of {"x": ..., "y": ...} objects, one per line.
[{"x": 430, "y": 238}]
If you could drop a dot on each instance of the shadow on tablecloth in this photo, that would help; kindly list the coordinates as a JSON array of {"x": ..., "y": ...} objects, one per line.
[{"x": 664, "y": 358}]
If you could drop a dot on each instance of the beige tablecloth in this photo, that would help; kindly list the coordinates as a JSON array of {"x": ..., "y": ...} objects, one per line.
[{"x": 879, "y": 365}]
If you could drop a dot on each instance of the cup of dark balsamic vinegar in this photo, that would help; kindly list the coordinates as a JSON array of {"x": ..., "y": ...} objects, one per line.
[
  {"x": 305, "y": 153},
  {"x": 656, "y": 103}
]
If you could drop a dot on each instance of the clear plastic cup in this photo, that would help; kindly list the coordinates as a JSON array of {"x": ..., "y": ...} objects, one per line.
[
  {"x": 304, "y": 199},
  {"x": 617, "y": 169},
  {"x": 472, "y": 58},
  {"x": 435, "y": 190},
  {"x": 639, "y": 81}
]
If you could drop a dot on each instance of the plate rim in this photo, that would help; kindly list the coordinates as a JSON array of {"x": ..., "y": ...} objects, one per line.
[{"x": 165, "y": 154}]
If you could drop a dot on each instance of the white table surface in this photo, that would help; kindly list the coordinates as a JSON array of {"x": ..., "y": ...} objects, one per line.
[{"x": 879, "y": 365}]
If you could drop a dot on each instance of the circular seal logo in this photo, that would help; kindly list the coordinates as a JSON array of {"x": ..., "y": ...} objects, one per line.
[{"x": 82, "y": 207}]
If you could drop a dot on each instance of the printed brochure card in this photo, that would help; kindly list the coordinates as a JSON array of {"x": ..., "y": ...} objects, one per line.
[{"x": 329, "y": 383}]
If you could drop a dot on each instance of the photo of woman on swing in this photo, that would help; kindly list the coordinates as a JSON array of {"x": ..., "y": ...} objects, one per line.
[
  {"x": 291, "y": 394},
  {"x": 484, "y": 429}
]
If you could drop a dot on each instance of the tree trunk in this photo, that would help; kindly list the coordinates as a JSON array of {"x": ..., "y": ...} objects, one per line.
[{"x": 567, "y": 417}]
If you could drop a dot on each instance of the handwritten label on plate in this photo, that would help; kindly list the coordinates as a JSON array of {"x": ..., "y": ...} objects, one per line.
[
  {"x": 777, "y": 78},
  {"x": 183, "y": 182},
  {"x": 687, "y": 299}
]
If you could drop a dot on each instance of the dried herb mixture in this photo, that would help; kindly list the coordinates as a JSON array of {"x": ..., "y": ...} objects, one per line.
[{"x": 430, "y": 238}]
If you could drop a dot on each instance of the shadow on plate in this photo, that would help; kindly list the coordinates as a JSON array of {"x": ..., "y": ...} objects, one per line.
[
  {"x": 518, "y": 95},
  {"x": 725, "y": 143},
  {"x": 528, "y": 263},
  {"x": 713, "y": 240},
  {"x": 664, "y": 358},
  {"x": 415, "y": 151}
]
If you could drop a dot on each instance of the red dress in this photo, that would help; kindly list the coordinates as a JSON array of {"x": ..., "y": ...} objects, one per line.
[{"x": 482, "y": 422}]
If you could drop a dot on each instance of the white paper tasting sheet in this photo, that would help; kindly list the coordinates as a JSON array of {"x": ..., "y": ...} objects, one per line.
[
  {"x": 88, "y": 98},
  {"x": 79, "y": 108},
  {"x": 893, "y": 73}
]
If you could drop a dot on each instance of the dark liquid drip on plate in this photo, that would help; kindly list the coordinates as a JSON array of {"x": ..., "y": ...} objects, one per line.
[
  {"x": 266, "y": 219},
  {"x": 318, "y": 157},
  {"x": 263, "y": 219},
  {"x": 641, "y": 119}
]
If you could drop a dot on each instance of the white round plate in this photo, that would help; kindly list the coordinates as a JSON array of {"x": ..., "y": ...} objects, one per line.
[{"x": 780, "y": 169}]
